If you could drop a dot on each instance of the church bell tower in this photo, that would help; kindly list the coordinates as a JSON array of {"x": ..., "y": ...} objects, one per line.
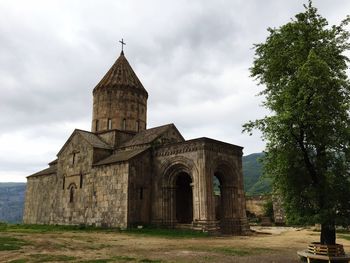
[{"x": 119, "y": 100}]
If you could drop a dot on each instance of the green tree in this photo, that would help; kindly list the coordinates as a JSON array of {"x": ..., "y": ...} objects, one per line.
[{"x": 303, "y": 69}]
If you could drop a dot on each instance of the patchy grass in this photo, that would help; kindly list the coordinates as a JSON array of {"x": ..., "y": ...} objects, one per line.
[
  {"x": 11, "y": 243},
  {"x": 154, "y": 246},
  {"x": 98, "y": 246},
  {"x": 347, "y": 237},
  {"x": 147, "y": 231},
  {"x": 146, "y": 260},
  {"x": 124, "y": 258},
  {"x": 112, "y": 259},
  {"x": 24, "y": 228},
  {"x": 101, "y": 260},
  {"x": 233, "y": 251},
  {"x": 167, "y": 233},
  {"x": 21, "y": 260},
  {"x": 50, "y": 258}
]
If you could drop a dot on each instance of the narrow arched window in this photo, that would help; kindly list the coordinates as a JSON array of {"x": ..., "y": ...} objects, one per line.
[
  {"x": 137, "y": 125},
  {"x": 124, "y": 124},
  {"x": 71, "y": 194},
  {"x": 81, "y": 180},
  {"x": 73, "y": 158},
  {"x": 96, "y": 124},
  {"x": 109, "y": 124},
  {"x": 141, "y": 193}
]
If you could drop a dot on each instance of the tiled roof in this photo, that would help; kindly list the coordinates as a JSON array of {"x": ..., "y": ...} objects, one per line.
[
  {"x": 94, "y": 140},
  {"x": 120, "y": 75},
  {"x": 121, "y": 156},
  {"x": 147, "y": 136},
  {"x": 47, "y": 171}
]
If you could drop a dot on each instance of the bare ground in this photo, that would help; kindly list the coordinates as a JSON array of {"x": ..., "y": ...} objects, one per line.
[{"x": 266, "y": 245}]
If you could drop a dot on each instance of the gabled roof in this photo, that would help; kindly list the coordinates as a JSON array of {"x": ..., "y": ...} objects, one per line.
[
  {"x": 47, "y": 171},
  {"x": 149, "y": 135},
  {"x": 94, "y": 140},
  {"x": 121, "y": 74},
  {"x": 90, "y": 138},
  {"x": 121, "y": 156}
]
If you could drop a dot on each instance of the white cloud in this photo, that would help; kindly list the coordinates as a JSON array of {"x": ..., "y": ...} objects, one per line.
[{"x": 192, "y": 57}]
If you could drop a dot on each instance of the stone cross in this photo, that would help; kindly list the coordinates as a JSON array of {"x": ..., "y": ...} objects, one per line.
[{"x": 123, "y": 43}]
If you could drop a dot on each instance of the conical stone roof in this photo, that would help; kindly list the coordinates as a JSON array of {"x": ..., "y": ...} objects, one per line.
[{"x": 121, "y": 75}]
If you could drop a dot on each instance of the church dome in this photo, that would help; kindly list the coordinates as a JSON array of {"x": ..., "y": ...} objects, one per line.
[{"x": 120, "y": 100}]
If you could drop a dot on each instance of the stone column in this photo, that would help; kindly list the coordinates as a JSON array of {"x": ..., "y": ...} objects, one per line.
[
  {"x": 168, "y": 206},
  {"x": 206, "y": 221}
]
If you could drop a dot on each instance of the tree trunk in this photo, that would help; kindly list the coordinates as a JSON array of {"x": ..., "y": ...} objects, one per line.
[{"x": 328, "y": 234}]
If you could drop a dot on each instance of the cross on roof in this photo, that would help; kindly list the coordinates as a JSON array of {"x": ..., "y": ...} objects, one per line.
[{"x": 123, "y": 43}]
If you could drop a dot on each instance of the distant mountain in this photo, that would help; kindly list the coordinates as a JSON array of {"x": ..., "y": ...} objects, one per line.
[
  {"x": 11, "y": 202},
  {"x": 254, "y": 184}
]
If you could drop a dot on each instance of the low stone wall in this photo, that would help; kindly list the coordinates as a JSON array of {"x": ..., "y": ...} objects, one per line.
[
  {"x": 255, "y": 207},
  {"x": 255, "y": 204}
]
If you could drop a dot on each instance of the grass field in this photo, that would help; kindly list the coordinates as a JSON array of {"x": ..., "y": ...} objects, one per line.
[{"x": 41, "y": 243}]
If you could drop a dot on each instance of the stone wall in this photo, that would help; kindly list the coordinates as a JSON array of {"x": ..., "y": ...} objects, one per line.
[
  {"x": 110, "y": 196},
  {"x": 255, "y": 204},
  {"x": 40, "y": 193},
  {"x": 99, "y": 192},
  {"x": 140, "y": 187}
]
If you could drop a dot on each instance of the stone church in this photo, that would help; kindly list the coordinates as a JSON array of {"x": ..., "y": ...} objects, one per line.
[{"x": 121, "y": 174}]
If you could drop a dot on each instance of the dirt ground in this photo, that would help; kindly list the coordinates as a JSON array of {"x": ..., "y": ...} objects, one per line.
[{"x": 269, "y": 244}]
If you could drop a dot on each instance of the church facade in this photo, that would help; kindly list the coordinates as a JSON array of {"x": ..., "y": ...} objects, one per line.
[{"x": 122, "y": 174}]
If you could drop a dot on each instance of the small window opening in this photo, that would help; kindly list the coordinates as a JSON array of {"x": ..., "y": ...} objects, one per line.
[
  {"x": 73, "y": 158},
  {"x": 81, "y": 180},
  {"x": 141, "y": 193},
  {"x": 124, "y": 124},
  {"x": 64, "y": 182},
  {"x": 71, "y": 194},
  {"x": 137, "y": 125},
  {"x": 109, "y": 124},
  {"x": 96, "y": 124}
]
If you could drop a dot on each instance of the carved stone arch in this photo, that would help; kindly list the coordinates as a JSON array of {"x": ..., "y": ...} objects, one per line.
[
  {"x": 227, "y": 171},
  {"x": 176, "y": 165},
  {"x": 72, "y": 185},
  {"x": 226, "y": 205},
  {"x": 177, "y": 191}
]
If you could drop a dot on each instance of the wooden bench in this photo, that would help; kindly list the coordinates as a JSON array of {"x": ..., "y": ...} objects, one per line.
[{"x": 308, "y": 256}]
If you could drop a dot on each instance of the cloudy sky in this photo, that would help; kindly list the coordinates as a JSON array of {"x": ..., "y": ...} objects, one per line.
[{"x": 192, "y": 57}]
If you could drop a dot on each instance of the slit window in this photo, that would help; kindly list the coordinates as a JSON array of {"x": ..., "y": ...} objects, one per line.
[
  {"x": 96, "y": 125},
  {"x": 109, "y": 124},
  {"x": 73, "y": 158},
  {"x": 124, "y": 124},
  {"x": 141, "y": 193},
  {"x": 81, "y": 180}
]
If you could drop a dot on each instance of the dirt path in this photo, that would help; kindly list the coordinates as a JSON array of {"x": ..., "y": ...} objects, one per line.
[{"x": 266, "y": 245}]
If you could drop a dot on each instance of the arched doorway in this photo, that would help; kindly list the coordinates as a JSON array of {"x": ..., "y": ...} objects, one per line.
[
  {"x": 184, "y": 198},
  {"x": 217, "y": 191}
]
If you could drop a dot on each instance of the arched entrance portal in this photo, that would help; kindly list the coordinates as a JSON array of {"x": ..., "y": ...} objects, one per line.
[
  {"x": 217, "y": 187},
  {"x": 184, "y": 199}
]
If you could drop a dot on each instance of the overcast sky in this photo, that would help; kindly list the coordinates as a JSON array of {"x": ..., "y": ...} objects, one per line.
[{"x": 191, "y": 56}]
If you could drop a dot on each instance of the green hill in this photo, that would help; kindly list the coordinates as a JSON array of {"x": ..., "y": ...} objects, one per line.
[
  {"x": 254, "y": 184},
  {"x": 11, "y": 202}
]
